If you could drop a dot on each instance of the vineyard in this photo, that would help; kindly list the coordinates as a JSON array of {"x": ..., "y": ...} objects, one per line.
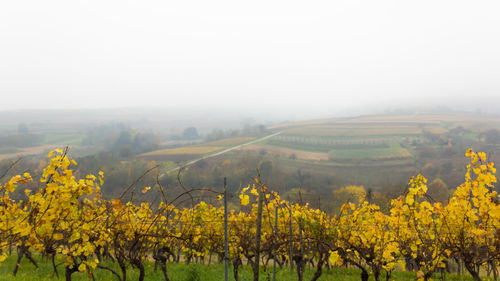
[
  {"x": 185, "y": 153},
  {"x": 66, "y": 221},
  {"x": 379, "y": 140}
]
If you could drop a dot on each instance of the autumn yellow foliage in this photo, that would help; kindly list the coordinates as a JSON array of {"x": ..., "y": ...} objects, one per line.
[{"x": 68, "y": 218}]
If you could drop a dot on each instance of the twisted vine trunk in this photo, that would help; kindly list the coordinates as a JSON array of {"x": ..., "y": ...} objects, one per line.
[
  {"x": 364, "y": 275},
  {"x": 387, "y": 276},
  {"x": 428, "y": 276},
  {"x": 163, "y": 266},
  {"x": 236, "y": 264},
  {"x": 473, "y": 271},
  {"x": 376, "y": 273},
  {"x": 110, "y": 270},
  {"x": 137, "y": 263},
  {"x": 69, "y": 271},
  {"x": 123, "y": 268},
  {"x": 300, "y": 264},
  {"x": 23, "y": 252},
  {"x": 319, "y": 269},
  {"x": 161, "y": 259}
]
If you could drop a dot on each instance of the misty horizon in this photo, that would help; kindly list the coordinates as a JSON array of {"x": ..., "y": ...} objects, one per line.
[{"x": 278, "y": 58}]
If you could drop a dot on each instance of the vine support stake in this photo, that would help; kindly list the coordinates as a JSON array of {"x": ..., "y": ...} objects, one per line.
[
  {"x": 276, "y": 240},
  {"x": 291, "y": 238},
  {"x": 226, "y": 246},
  {"x": 256, "y": 263}
]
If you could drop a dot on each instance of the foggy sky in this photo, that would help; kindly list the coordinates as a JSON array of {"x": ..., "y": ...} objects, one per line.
[{"x": 307, "y": 57}]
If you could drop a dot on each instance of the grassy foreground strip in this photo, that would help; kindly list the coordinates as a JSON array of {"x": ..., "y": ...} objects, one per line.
[{"x": 192, "y": 272}]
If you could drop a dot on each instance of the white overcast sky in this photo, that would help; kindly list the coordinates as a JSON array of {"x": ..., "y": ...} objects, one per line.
[{"x": 315, "y": 56}]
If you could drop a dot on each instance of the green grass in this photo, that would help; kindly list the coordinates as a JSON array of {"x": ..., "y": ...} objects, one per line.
[
  {"x": 356, "y": 131},
  {"x": 298, "y": 146},
  {"x": 63, "y": 138},
  {"x": 325, "y": 147},
  {"x": 183, "y": 272},
  {"x": 393, "y": 151},
  {"x": 350, "y": 151}
]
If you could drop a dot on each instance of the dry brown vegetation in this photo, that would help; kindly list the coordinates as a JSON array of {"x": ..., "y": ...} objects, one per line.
[{"x": 35, "y": 150}]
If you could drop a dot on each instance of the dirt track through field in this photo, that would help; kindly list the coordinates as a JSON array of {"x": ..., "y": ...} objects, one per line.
[{"x": 218, "y": 153}]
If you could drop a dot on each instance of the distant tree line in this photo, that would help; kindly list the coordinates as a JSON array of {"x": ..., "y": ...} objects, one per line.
[
  {"x": 21, "y": 140},
  {"x": 246, "y": 131},
  {"x": 121, "y": 139}
]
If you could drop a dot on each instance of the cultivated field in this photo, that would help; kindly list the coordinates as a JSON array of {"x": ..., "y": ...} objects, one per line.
[
  {"x": 286, "y": 152},
  {"x": 229, "y": 142},
  {"x": 394, "y": 151},
  {"x": 20, "y": 152},
  {"x": 352, "y": 130},
  {"x": 381, "y": 137},
  {"x": 72, "y": 139},
  {"x": 184, "y": 150},
  {"x": 360, "y": 140},
  {"x": 189, "y": 152},
  {"x": 180, "y": 153}
]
